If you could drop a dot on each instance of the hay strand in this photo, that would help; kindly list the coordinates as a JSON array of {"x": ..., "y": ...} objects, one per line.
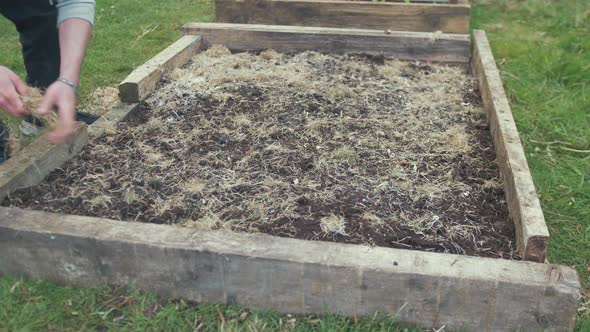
[{"x": 31, "y": 105}]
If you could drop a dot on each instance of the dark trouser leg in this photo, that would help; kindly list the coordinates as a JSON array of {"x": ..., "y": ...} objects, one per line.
[
  {"x": 36, "y": 22},
  {"x": 40, "y": 42}
]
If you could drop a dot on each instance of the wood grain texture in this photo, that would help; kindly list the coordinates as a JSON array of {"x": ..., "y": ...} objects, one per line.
[
  {"x": 142, "y": 81},
  {"x": 110, "y": 119},
  {"x": 438, "y": 47},
  {"x": 523, "y": 203},
  {"x": 347, "y": 14},
  {"x": 289, "y": 275},
  {"x": 34, "y": 162}
]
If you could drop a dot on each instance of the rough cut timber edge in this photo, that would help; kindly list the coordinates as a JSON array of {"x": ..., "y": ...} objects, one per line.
[
  {"x": 290, "y": 275},
  {"x": 35, "y": 161},
  {"x": 109, "y": 120},
  {"x": 142, "y": 81},
  {"x": 523, "y": 203},
  {"x": 400, "y": 16},
  {"x": 437, "y": 47}
]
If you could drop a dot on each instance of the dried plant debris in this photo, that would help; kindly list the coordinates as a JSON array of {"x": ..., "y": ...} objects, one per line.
[
  {"x": 31, "y": 105},
  {"x": 345, "y": 148},
  {"x": 32, "y": 101},
  {"x": 101, "y": 101}
]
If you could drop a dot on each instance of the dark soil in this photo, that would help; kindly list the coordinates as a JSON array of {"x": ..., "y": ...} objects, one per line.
[{"x": 350, "y": 149}]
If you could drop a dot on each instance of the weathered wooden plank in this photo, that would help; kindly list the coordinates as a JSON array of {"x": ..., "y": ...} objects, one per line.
[
  {"x": 439, "y": 47},
  {"x": 416, "y": 1},
  {"x": 110, "y": 119},
  {"x": 347, "y": 14},
  {"x": 290, "y": 275},
  {"x": 35, "y": 161},
  {"x": 419, "y": 1},
  {"x": 142, "y": 81},
  {"x": 523, "y": 203}
]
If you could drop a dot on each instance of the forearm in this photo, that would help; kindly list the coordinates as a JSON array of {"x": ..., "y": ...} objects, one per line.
[{"x": 74, "y": 34}]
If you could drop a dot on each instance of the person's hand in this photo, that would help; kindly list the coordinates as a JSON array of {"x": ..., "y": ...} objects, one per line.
[
  {"x": 10, "y": 87},
  {"x": 63, "y": 97}
]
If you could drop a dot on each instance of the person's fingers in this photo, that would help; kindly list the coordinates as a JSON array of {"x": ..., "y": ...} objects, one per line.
[
  {"x": 10, "y": 87},
  {"x": 19, "y": 85},
  {"x": 6, "y": 105},
  {"x": 67, "y": 121},
  {"x": 16, "y": 103},
  {"x": 47, "y": 103},
  {"x": 11, "y": 103}
]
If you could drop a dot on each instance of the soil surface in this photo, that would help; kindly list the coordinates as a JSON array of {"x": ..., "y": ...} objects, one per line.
[{"x": 349, "y": 148}]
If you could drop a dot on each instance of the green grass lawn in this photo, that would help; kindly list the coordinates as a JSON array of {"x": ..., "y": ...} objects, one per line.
[
  {"x": 36, "y": 305},
  {"x": 543, "y": 50}
]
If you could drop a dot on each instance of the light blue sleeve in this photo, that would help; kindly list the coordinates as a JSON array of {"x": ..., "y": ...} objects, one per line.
[{"x": 83, "y": 9}]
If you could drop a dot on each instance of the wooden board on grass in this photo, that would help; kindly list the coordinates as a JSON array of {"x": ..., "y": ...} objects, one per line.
[
  {"x": 400, "y": 16},
  {"x": 523, "y": 203},
  {"x": 289, "y": 275}
]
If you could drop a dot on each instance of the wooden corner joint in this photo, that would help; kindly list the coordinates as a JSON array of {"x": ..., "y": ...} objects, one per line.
[
  {"x": 143, "y": 80},
  {"x": 536, "y": 249}
]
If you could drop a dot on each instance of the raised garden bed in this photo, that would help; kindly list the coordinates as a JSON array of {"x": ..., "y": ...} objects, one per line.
[
  {"x": 426, "y": 16},
  {"x": 292, "y": 275},
  {"x": 353, "y": 149}
]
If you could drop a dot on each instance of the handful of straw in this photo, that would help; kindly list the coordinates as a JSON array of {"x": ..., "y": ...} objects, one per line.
[{"x": 31, "y": 105}]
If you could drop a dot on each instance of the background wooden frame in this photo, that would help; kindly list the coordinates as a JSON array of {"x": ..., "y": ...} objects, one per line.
[
  {"x": 396, "y": 16},
  {"x": 404, "y": 45}
]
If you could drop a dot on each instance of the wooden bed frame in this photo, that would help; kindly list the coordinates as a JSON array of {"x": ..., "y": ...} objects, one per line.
[
  {"x": 298, "y": 276},
  {"x": 422, "y": 16}
]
